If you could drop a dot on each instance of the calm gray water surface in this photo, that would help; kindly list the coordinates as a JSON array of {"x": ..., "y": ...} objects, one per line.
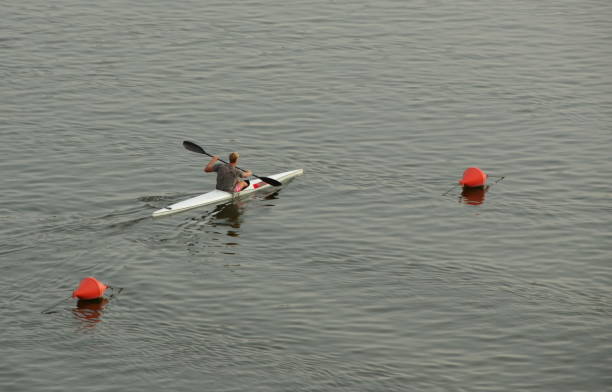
[{"x": 359, "y": 275}]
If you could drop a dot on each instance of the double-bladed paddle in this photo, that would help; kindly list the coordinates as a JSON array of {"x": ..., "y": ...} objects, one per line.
[{"x": 191, "y": 146}]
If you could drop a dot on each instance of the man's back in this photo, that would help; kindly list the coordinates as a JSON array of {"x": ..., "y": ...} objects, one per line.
[{"x": 227, "y": 175}]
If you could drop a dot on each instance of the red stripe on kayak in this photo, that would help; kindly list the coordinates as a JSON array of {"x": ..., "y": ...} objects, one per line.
[{"x": 259, "y": 185}]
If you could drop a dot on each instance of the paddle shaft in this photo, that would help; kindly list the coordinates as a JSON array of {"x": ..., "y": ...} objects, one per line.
[
  {"x": 226, "y": 163},
  {"x": 191, "y": 146}
]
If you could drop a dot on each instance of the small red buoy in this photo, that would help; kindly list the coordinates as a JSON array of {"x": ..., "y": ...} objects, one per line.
[
  {"x": 89, "y": 288},
  {"x": 473, "y": 177}
]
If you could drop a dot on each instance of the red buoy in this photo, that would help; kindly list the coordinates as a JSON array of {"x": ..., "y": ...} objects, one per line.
[
  {"x": 89, "y": 288},
  {"x": 473, "y": 177}
]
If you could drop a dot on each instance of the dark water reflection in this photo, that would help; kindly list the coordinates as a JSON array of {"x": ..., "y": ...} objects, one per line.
[
  {"x": 232, "y": 214},
  {"x": 272, "y": 196},
  {"x": 473, "y": 196},
  {"x": 229, "y": 215},
  {"x": 90, "y": 311}
]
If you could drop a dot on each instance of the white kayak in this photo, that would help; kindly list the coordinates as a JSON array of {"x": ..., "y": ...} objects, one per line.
[{"x": 217, "y": 196}]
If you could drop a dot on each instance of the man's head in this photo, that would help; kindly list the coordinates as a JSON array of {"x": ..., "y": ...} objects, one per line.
[{"x": 233, "y": 157}]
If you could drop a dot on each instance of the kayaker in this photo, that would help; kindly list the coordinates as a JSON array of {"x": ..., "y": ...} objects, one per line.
[{"x": 229, "y": 177}]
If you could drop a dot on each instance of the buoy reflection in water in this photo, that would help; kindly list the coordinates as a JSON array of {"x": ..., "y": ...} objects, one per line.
[
  {"x": 90, "y": 311},
  {"x": 473, "y": 196}
]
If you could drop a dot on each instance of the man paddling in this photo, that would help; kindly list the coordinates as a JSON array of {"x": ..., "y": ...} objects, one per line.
[{"x": 228, "y": 175}]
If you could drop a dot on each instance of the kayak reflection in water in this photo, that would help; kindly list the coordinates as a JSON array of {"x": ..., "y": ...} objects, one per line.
[
  {"x": 229, "y": 214},
  {"x": 229, "y": 177}
]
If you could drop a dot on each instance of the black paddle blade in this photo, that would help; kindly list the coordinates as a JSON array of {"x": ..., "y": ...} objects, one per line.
[
  {"x": 191, "y": 146},
  {"x": 270, "y": 181}
]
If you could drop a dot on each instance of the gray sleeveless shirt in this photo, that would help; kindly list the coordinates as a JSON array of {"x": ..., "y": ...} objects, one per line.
[{"x": 227, "y": 176}]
